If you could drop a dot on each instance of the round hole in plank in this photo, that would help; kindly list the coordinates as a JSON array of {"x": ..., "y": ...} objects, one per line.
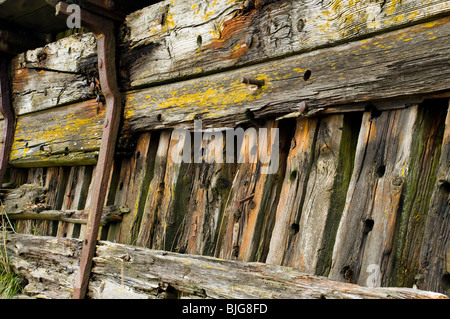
[
  {"x": 381, "y": 170},
  {"x": 199, "y": 41},
  {"x": 307, "y": 75}
]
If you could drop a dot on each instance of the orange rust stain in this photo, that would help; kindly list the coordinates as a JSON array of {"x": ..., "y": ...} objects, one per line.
[{"x": 231, "y": 31}]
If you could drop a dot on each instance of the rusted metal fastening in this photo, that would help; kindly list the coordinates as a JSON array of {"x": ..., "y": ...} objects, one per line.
[
  {"x": 247, "y": 80},
  {"x": 8, "y": 115},
  {"x": 104, "y": 28}
]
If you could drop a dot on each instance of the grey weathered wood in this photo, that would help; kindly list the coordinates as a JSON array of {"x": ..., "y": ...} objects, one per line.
[
  {"x": 369, "y": 220},
  {"x": 387, "y": 68},
  {"x": 120, "y": 271},
  {"x": 434, "y": 264},
  {"x": 53, "y": 75},
  {"x": 66, "y": 135},
  {"x": 172, "y": 40}
]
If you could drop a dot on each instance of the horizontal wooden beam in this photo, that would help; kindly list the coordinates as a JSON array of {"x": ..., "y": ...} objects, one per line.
[
  {"x": 388, "y": 71},
  {"x": 54, "y": 75},
  {"x": 122, "y": 271},
  {"x": 401, "y": 64},
  {"x": 68, "y": 135},
  {"x": 110, "y": 214},
  {"x": 172, "y": 40}
]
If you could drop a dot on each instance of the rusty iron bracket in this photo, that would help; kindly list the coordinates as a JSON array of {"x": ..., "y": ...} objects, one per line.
[
  {"x": 104, "y": 28},
  {"x": 8, "y": 115}
]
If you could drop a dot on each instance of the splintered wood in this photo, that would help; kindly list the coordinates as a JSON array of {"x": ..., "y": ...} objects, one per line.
[
  {"x": 120, "y": 271},
  {"x": 358, "y": 95}
]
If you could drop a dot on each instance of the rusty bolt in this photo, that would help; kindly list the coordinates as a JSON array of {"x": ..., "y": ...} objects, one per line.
[
  {"x": 247, "y": 80},
  {"x": 302, "y": 107},
  {"x": 161, "y": 17}
]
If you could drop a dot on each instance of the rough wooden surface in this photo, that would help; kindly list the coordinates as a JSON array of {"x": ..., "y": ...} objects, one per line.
[
  {"x": 435, "y": 250},
  {"x": 171, "y": 40},
  {"x": 325, "y": 79},
  {"x": 120, "y": 271},
  {"x": 53, "y": 75},
  {"x": 66, "y": 135}
]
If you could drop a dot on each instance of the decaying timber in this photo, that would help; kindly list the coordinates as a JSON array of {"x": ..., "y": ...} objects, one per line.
[
  {"x": 325, "y": 79},
  {"x": 359, "y": 92},
  {"x": 121, "y": 271}
]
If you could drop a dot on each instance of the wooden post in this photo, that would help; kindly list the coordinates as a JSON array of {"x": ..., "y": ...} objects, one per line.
[
  {"x": 106, "y": 46},
  {"x": 8, "y": 114}
]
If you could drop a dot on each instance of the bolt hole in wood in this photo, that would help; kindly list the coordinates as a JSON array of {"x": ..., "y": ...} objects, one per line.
[
  {"x": 199, "y": 41},
  {"x": 368, "y": 225},
  {"x": 293, "y": 176},
  {"x": 347, "y": 273},
  {"x": 307, "y": 75},
  {"x": 380, "y": 170},
  {"x": 445, "y": 186},
  {"x": 446, "y": 281},
  {"x": 295, "y": 228},
  {"x": 300, "y": 25},
  {"x": 66, "y": 151}
]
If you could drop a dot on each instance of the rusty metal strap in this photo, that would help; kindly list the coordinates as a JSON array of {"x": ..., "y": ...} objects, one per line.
[{"x": 104, "y": 29}]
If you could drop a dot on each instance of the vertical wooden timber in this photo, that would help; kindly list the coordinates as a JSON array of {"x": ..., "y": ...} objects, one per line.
[
  {"x": 155, "y": 194},
  {"x": 420, "y": 181},
  {"x": 7, "y": 112},
  {"x": 374, "y": 192},
  {"x": 175, "y": 195},
  {"x": 318, "y": 173},
  {"x": 295, "y": 180},
  {"x": 394, "y": 164},
  {"x": 434, "y": 268},
  {"x": 141, "y": 169},
  {"x": 207, "y": 197},
  {"x": 248, "y": 217}
]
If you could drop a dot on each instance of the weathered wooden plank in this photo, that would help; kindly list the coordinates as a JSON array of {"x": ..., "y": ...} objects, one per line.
[
  {"x": 314, "y": 188},
  {"x": 434, "y": 264},
  {"x": 295, "y": 180},
  {"x": 172, "y": 40},
  {"x": 110, "y": 214},
  {"x": 155, "y": 193},
  {"x": 141, "y": 164},
  {"x": 68, "y": 135},
  {"x": 387, "y": 68},
  {"x": 54, "y": 75},
  {"x": 175, "y": 195},
  {"x": 208, "y": 196},
  {"x": 246, "y": 223},
  {"x": 418, "y": 189},
  {"x": 369, "y": 223},
  {"x": 120, "y": 271}
]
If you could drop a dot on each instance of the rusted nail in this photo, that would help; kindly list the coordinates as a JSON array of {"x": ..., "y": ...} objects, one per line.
[
  {"x": 249, "y": 4},
  {"x": 247, "y": 80},
  {"x": 249, "y": 40},
  {"x": 243, "y": 200},
  {"x": 161, "y": 17}
]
